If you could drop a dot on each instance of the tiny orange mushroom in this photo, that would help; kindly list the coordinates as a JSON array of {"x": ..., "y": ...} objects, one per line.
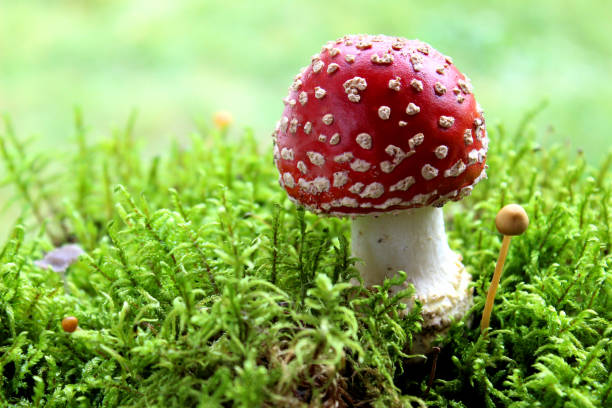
[
  {"x": 222, "y": 119},
  {"x": 70, "y": 324}
]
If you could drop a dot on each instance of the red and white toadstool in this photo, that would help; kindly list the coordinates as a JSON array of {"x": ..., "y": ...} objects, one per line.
[{"x": 387, "y": 130}]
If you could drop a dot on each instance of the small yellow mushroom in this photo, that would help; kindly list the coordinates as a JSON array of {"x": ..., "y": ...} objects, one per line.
[
  {"x": 222, "y": 119},
  {"x": 510, "y": 220}
]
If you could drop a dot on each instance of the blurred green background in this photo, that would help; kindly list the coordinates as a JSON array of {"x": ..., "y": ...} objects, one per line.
[{"x": 179, "y": 60}]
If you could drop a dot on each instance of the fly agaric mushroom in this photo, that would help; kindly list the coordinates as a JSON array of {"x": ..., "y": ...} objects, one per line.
[{"x": 386, "y": 130}]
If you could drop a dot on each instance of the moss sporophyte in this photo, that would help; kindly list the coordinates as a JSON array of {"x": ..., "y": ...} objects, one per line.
[{"x": 201, "y": 284}]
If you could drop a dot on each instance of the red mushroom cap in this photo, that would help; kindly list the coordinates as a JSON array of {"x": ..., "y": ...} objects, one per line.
[{"x": 379, "y": 123}]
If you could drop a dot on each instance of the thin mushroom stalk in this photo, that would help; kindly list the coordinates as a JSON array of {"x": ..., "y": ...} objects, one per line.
[
  {"x": 510, "y": 220},
  {"x": 499, "y": 266}
]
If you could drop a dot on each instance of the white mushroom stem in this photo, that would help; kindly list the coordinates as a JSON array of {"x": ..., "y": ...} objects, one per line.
[{"x": 414, "y": 241}]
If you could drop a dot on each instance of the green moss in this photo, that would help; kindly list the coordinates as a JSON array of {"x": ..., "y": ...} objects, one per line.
[{"x": 202, "y": 285}]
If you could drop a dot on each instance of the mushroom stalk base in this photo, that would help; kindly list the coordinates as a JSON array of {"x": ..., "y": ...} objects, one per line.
[{"x": 414, "y": 241}]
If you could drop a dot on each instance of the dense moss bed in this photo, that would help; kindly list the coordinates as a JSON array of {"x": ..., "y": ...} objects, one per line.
[{"x": 202, "y": 285}]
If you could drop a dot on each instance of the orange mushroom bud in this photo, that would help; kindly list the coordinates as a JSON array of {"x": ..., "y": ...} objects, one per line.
[
  {"x": 70, "y": 324},
  {"x": 222, "y": 119}
]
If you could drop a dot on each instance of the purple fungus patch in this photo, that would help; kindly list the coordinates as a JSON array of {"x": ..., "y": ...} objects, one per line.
[{"x": 60, "y": 258}]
